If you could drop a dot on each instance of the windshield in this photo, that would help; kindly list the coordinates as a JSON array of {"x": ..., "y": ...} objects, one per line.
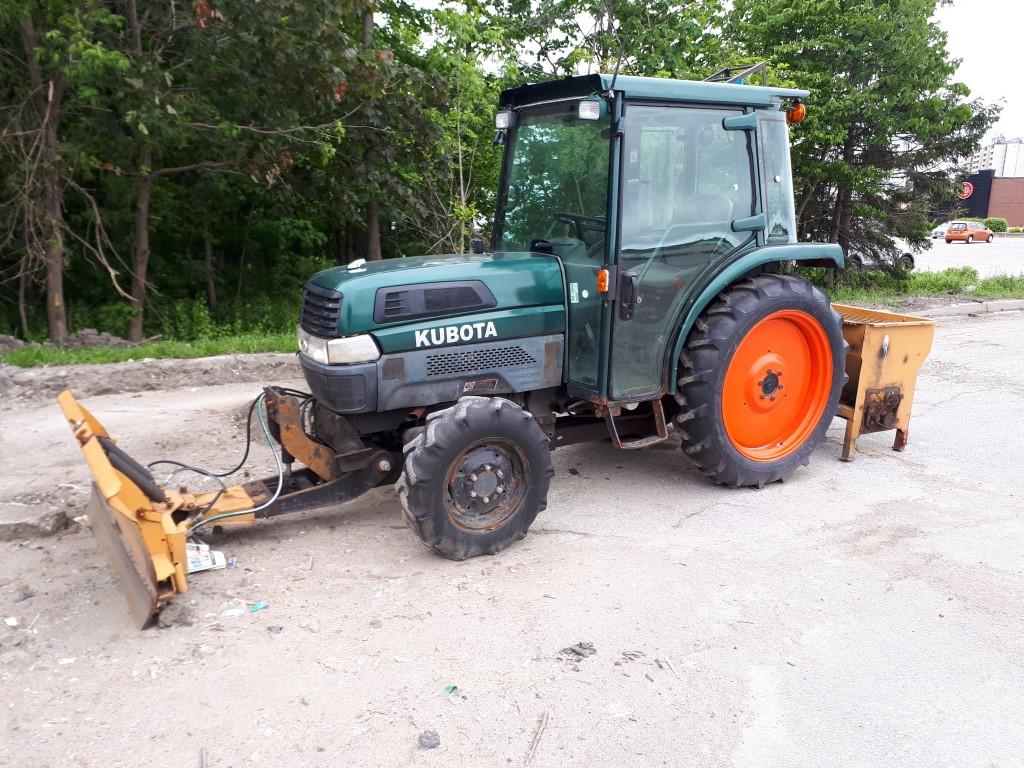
[{"x": 556, "y": 183}]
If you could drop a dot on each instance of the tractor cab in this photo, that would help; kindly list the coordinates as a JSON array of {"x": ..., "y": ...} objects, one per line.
[{"x": 644, "y": 189}]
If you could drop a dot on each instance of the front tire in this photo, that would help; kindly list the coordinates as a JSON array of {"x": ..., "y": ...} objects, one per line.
[
  {"x": 990, "y": 238},
  {"x": 475, "y": 479},
  {"x": 762, "y": 373}
]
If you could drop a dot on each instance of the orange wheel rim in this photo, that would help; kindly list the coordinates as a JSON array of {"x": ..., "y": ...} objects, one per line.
[{"x": 777, "y": 385}]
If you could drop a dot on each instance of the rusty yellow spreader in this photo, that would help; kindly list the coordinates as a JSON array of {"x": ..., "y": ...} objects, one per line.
[{"x": 886, "y": 351}]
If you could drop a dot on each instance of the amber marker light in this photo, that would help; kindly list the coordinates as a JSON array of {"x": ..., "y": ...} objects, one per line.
[
  {"x": 602, "y": 281},
  {"x": 796, "y": 112}
]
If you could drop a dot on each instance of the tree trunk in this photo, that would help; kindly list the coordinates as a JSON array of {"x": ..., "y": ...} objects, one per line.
[
  {"x": 22, "y": 286},
  {"x": 47, "y": 102},
  {"x": 140, "y": 260},
  {"x": 373, "y": 230},
  {"x": 56, "y": 315},
  {"x": 373, "y": 205},
  {"x": 211, "y": 285},
  {"x": 368, "y": 22}
]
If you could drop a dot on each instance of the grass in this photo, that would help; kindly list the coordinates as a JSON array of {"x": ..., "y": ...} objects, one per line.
[
  {"x": 956, "y": 281},
  {"x": 26, "y": 357}
]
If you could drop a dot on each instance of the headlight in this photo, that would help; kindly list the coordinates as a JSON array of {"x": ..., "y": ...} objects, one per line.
[{"x": 352, "y": 349}]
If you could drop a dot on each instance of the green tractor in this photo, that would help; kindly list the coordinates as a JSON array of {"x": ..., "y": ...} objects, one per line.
[{"x": 637, "y": 283}]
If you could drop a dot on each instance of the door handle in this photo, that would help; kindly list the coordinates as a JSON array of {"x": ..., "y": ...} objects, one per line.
[{"x": 629, "y": 294}]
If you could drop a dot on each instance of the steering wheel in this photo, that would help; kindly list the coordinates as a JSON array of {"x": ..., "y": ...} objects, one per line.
[{"x": 578, "y": 222}]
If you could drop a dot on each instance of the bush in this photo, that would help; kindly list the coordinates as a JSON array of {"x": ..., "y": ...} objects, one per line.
[
  {"x": 1014, "y": 230},
  {"x": 995, "y": 224}
]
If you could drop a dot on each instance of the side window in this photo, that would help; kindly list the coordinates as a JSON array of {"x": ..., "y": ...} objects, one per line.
[{"x": 778, "y": 179}]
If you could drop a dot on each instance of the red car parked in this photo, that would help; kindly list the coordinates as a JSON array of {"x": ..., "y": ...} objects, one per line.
[{"x": 968, "y": 232}]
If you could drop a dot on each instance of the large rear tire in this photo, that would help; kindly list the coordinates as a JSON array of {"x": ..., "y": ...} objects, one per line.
[
  {"x": 475, "y": 479},
  {"x": 762, "y": 373}
]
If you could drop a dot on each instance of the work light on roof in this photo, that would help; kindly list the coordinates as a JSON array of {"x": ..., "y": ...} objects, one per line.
[
  {"x": 590, "y": 109},
  {"x": 504, "y": 119}
]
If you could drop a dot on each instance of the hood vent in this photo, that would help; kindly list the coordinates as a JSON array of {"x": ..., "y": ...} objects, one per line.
[{"x": 417, "y": 302}]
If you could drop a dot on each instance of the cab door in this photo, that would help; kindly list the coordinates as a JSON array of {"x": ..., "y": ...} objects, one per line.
[{"x": 685, "y": 179}]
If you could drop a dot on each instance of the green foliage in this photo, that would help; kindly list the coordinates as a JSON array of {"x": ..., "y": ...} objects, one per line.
[
  {"x": 884, "y": 114},
  {"x": 1014, "y": 230},
  {"x": 267, "y": 129},
  {"x": 995, "y": 223}
]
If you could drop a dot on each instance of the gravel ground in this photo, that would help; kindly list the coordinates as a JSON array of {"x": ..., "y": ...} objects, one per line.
[{"x": 866, "y": 614}]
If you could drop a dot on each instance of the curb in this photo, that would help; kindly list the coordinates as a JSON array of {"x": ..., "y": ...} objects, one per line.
[{"x": 973, "y": 308}]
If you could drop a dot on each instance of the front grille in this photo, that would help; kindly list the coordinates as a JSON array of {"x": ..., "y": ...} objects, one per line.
[
  {"x": 320, "y": 310},
  {"x": 477, "y": 360}
]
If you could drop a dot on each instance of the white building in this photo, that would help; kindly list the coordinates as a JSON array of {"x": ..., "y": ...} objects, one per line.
[{"x": 1004, "y": 156}]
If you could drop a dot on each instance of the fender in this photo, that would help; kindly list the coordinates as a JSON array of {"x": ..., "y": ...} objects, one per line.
[{"x": 812, "y": 254}]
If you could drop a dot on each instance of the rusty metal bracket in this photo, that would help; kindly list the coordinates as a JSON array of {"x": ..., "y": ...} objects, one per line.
[
  {"x": 660, "y": 427},
  {"x": 285, "y": 413},
  {"x": 880, "y": 408}
]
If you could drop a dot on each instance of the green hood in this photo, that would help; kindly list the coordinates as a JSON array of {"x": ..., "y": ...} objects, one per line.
[{"x": 526, "y": 294}]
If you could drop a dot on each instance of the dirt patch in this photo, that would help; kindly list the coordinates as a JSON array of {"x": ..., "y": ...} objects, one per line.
[
  {"x": 7, "y": 343},
  {"x": 45, "y": 382}
]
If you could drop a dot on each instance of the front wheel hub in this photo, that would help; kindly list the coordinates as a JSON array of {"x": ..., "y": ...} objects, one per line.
[{"x": 485, "y": 485}]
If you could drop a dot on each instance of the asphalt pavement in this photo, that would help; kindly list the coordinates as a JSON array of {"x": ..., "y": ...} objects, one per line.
[{"x": 1003, "y": 256}]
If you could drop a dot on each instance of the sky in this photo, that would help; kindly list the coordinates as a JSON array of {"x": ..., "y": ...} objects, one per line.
[{"x": 986, "y": 36}]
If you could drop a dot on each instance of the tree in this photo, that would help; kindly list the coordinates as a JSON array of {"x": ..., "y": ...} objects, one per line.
[
  {"x": 885, "y": 120},
  {"x": 55, "y": 67}
]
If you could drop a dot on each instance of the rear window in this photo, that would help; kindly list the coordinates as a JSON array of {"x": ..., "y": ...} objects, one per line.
[{"x": 957, "y": 225}]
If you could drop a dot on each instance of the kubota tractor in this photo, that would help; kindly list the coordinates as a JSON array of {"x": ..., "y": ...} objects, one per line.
[{"x": 636, "y": 284}]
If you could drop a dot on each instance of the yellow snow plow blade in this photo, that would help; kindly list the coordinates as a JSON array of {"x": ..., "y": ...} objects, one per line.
[{"x": 142, "y": 527}]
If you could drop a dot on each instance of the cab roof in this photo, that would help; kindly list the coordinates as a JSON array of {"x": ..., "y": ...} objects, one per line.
[{"x": 649, "y": 89}]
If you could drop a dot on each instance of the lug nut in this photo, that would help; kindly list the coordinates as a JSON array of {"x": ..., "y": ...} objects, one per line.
[
  {"x": 384, "y": 465},
  {"x": 472, "y": 478},
  {"x": 487, "y": 467},
  {"x": 500, "y": 489},
  {"x": 472, "y": 494},
  {"x": 487, "y": 500},
  {"x": 773, "y": 398},
  {"x": 499, "y": 473}
]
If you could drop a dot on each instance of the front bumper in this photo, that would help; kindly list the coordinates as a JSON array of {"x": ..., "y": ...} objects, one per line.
[{"x": 348, "y": 388}]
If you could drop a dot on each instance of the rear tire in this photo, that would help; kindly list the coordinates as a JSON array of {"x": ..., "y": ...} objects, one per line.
[
  {"x": 948, "y": 241},
  {"x": 970, "y": 239},
  {"x": 738, "y": 424},
  {"x": 476, "y": 478},
  {"x": 906, "y": 262}
]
